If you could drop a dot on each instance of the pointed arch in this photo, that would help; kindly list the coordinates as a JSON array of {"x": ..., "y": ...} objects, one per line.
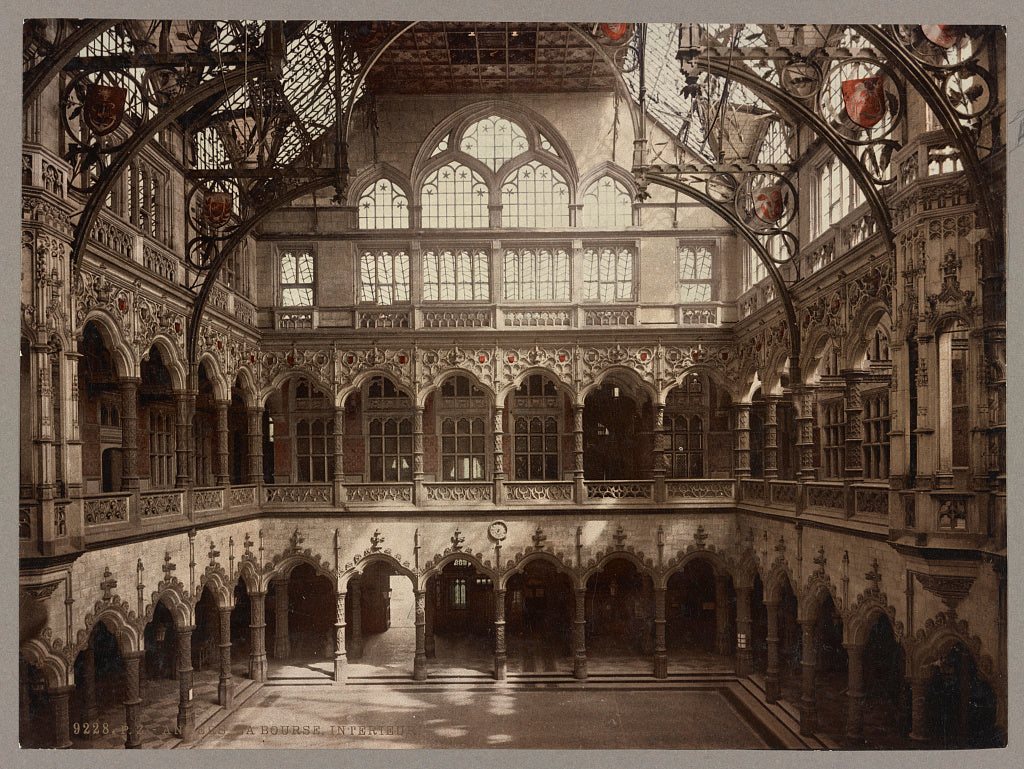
[
  {"x": 55, "y": 670},
  {"x": 221, "y": 390},
  {"x": 779, "y": 575},
  {"x": 522, "y": 560},
  {"x": 118, "y": 618},
  {"x": 294, "y": 372},
  {"x": 216, "y": 580},
  {"x": 819, "y": 587},
  {"x": 676, "y": 565},
  {"x": 932, "y": 641},
  {"x": 436, "y": 566},
  {"x": 604, "y": 559},
  {"x": 170, "y": 354},
  {"x": 123, "y": 358},
  {"x": 862, "y": 616},
  {"x": 444, "y": 376},
  {"x": 284, "y": 567},
  {"x": 561, "y": 386},
  {"x": 641, "y": 384},
  {"x": 172, "y": 595},
  {"x": 358, "y": 566}
]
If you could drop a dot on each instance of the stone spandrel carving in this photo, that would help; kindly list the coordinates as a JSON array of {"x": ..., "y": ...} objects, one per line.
[
  {"x": 557, "y": 360},
  {"x": 272, "y": 363},
  {"x": 435, "y": 362},
  {"x": 397, "y": 362}
]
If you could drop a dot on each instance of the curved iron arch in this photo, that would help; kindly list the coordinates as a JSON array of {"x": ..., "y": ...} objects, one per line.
[{"x": 42, "y": 74}]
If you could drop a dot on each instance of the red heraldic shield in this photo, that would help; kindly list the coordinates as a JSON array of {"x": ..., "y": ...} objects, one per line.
[
  {"x": 104, "y": 108},
  {"x": 943, "y": 35},
  {"x": 769, "y": 204},
  {"x": 865, "y": 100},
  {"x": 614, "y": 31},
  {"x": 217, "y": 208}
]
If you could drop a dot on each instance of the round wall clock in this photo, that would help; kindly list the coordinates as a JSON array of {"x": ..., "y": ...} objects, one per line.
[{"x": 497, "y": 530}]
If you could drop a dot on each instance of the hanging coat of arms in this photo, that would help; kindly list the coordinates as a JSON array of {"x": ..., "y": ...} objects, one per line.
[
  {"x": 104, "y": 108},
  {"x": 217, "y": 208},
  {"x": 865, "y": 100},
  {"x": 943, "y": 35},
  {"x": 769, "y": 203}
]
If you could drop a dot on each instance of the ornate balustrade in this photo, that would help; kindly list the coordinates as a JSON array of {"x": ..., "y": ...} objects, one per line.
[
  {"x": 701, "y": 488},
  {"x": 538, "y": 491},
  {"x": 459, "y": 492},
  {"x": 753, "y": 490},
  {"x": 378, "y": 493},
  {"x": 826, "y": 497},
  {"x": 299, "y": 494},
  {"x": 153, "y": 504},
  {"x": 103, "y": 509},
  {"x": 783, "y": 493},
  {"x": 641, "y": 490}
]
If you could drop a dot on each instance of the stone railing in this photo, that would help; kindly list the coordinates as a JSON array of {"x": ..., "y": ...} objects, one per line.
[
  {"x": 383, "y": 319},
  {"x": 292, "y": 320},
  {"x": 480, "y": 318},
  {"x": 376, "y": 493},
  {"x": 699, "y": 315},
  {"x": 106, "y": 508},
  {"x": 700, "y": 488},
  {"x": 871, "y": 501},
  {"x": 537, "y": 318},
  {"x": 160, "y": 503},
  {"x": 752, "y": 490},
  {"x": 830, "y": 497},
  {"x": 242, "y": 496},
  {"x": 208, "y": 499},
  {"x": 160, "y": 262},
  {"x": 299, "y": 494},
  {"x": 115, "y": 237},
  {"x": 784, "y": 492},
  {"x": 624, "y": 316},
  {"x": 539, "y": 491},
  {"x": 459, "y": 492},
  {"x": 245, "y": 312},
  {"x": 620, "y": 489}
]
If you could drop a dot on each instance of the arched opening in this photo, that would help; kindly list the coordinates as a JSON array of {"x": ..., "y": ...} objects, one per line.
[
  {"x": 96, "y": 712},
  {"x": 241, "y": 618},
  {"x": 99, "y": 414},
  {"x": 700, "y": 612},
  {"x": 758, "y": 626},
  {"x": 537, "y": 444},
  {"x": 831, "y": 676},
  {"x": 160, "y": 638},
  {"x": 617, "y": 423},
  {"x": 238, "y": 437},
  {"x": 300, "y": 613},
  {"x": 619, "y": 614},
  {"x": 463, "y": 424},
  {"x": 36, "y": 727},
  {"x": 204, "y": 431},
  {"x": 790, "y": 647},
  {"x": 961, "y": 706},
  {"x": 380, "y": 619},
  {"x": 886, "y": 702},
  {"x": 539, "y": 609},
  {"x": 205, "y": 637},
  {"x": 301, "y": 431},
  {"x": 460, "y": 618},
  {"x": 158, "y": 424}
]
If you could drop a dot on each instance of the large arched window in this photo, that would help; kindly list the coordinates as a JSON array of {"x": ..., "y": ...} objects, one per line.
[
  {"x": 383, "y": 206},
  {"x": 454, "y": 196},
  {"x": 535, "y": 195},
  {"x": 494, "y": 141},
  {"x": 607, "y": 203}
]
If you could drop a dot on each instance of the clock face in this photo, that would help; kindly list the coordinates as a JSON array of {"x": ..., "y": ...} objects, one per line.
[{"x": 497, "y": 530}]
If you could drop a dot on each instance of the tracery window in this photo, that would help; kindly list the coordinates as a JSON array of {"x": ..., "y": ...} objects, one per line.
[
  {"x": 161, "y": 447},
  {"x": 837, "y": 194},
  {"x": 536, "y": 430},
  {"x": 695, "y": 264},
  {"x": 311, "y": 450},
  {"x": 454, "y": 196},
  {"x": 607, "y": 203},
  {"x": 451, "y": 275},
  {"x": 297, "y": 278},
  {"x": 384, "y": 276},
  {"x": 494, "y": 140},
  {"x": 875, "y": 441},
  {"x": 535, "y": 195},
  {"x": 685, "y": 425},
  {"x": 608, "y": 274},
  {"x": 833, "y": 431},
  {"x": 389, "y": 431},
  {"x": 383, "y": 205},
  {"x": 537, "y": 274},
  {"x": 463, "y": 409}
]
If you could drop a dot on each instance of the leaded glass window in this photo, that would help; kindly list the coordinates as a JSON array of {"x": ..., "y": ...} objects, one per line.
[
  {"x": 608, "y": 274},
  {"x": 607, "y": 203},
  {"x": 297, "y": 278},
  {"x": 383, "y": 205},
  {"x": 452, "y": 275},
  {"x": 384, "y": 277},
  {"x": 454, "y": 196},
  {"x": 537, "y": 275},
  {"x": 695, "y": 264},
  {"x": 535, "y": 195},
  {"x": 494, "y": 140}
]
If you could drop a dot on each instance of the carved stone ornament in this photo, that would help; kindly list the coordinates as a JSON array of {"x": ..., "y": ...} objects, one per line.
[{"x": 950, "y": 589}]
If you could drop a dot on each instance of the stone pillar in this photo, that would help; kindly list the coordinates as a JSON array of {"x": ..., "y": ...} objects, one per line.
[
  {"x": 340, "y": 662},
  {"x": 722, "y": 640},
  {"x": 255, "y": 436},
  {"x": 771, "y": 678},
  {"x": 770, "y": 449},
  {"x": 855, "y": 693},
  {"x": 355, "y": 590},
  {"x": 226, "y": 685},
  {"x": 129, "y": 389},
  {"x": 808, "y": 701},
  {"x": 579, "y": 636},
  {"x": 744, "y": 653},
  {"x": 919, "y": 709},
  {"x": 803, "y": 401},
  {"x": 184, "y": 408},
  {"x": 222, "y": 476},
  {"x": 419, "y": 668},
  {"x": 257, "y": 638},
  {"x": 90, "y": 711},
  {"x": 59, "y": 697},
  {"x": 133, "y": 699},
  {"x": 577, "y": 471},
  {"x": 853, "y": 428},
  {"x": 500, "y": 652},
  {"x": 660, "y": 651},
  {"x": 660, "y": 468},
  {"x": 339, "y": 456},
  {"x": 417, "y": 455},
  {"x": 186, "y": 703},
  {"x": 282, "y": 646},
  {"x": 499, "y": 455},
  {"x": 429, "y": 610},
  {"x": 741, "y": 454}
]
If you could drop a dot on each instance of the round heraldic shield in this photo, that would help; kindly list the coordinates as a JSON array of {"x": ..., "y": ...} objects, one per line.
[
  {"x": 217, "y": 208},
  {"x": 104, "y": 108},
  {"x": 769, "y": 203},
  {"x": 614, "y": 31},
  {"x": 943, "y": 35},
  {"x": 865, "y": 100}
]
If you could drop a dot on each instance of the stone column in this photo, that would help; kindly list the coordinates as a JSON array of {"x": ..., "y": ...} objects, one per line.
[
  {"x": 808, "y": 702},
  {"x": 499, "y": 455},
  {"x": 184, "y": 408},
  {"x": 340, "y": 661},
  {"x": 226, "y": 685},
  {"x": 429, "y": 610},
  {"x": 222, "y": 476},
  {"x": 853, "y": 429},
  {"x": 282, "y": 646},
  {"x": 722, "y": 640},
  {"x": 59, "y": 697},
  {"x": 186, "y": 703},
  {"x": 417, "y": 454},
  {"x": 741, "y": 454},
  {"x": 419, "y": 668},
  {"x": 339, "y": 456},
  {"x": 133, "y": 699},
  {"x": 660, "y": 651},
  {"x": 90, "y": 711},
  {"x": 855, "y": 693},
  {"x": 660, "y": 469},
  {"x": 919, "y": 709},
  {"x": 771, "y": 678},
  {"x": 577, "y": 471},
  {"x": 803, "y": 401},
  {"x": 579, "y": 636},
  {"x": 257, "y": 638},
  {"x": 500, "y": 652},
  {"x": 255, "y": 436},
  {"x": 770, "y": 449},
  {"x": 129, "y": 389},
  {"x": 744, "y": 653},
  {"x": 355, "y": 590}
]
